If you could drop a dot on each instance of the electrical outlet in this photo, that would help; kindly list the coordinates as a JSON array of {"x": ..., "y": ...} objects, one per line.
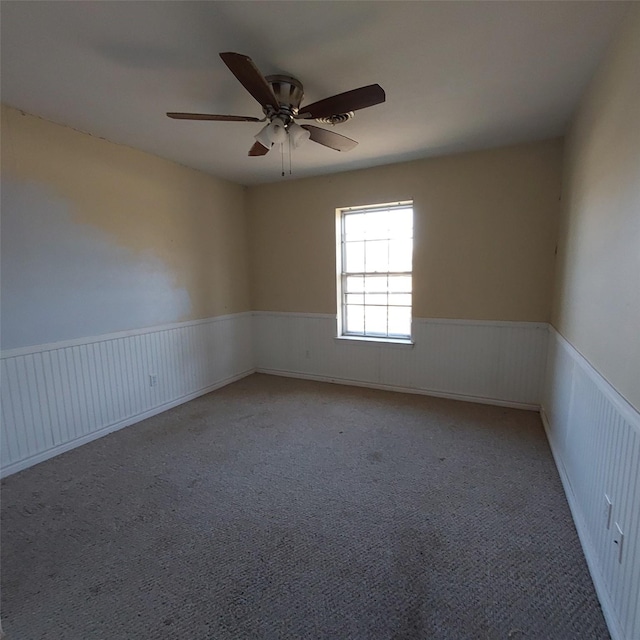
[
  {"x": 153, "y": 379},
  {"x": 618, "y": 540},
  {"x": 608, "y": 510}
]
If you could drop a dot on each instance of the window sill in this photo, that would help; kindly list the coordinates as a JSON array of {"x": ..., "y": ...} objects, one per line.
[{"x": 392, "y": 342}]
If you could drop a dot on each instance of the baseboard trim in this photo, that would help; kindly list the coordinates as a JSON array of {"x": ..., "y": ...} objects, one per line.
[
  {"x": 127, "y": 422},
  {"x": 388, "y": 387},
  {"x": 587, "y": 548}
]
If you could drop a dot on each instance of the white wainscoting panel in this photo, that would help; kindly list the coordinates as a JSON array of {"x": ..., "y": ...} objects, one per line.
[
  {"x": 595, "y": 438},
  {"x": 493, "y": 362},
  {"x": 58, "y": 396}
]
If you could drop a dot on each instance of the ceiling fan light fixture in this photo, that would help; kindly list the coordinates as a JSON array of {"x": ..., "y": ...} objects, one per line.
[
  {"x": 298, "y": 135},
  {"x": 273, "y": 133}
]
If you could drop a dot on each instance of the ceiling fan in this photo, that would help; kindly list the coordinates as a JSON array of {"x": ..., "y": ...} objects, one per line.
[{"x": 280, "y": 97}]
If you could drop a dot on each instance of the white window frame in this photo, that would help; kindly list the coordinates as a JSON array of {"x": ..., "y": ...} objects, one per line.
[{"x": 342, "y": 334}]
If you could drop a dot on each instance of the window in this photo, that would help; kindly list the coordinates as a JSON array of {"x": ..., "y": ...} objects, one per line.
[{"x": 375, "y": 250}]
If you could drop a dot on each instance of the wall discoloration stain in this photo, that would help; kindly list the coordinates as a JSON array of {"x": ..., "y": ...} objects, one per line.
[
  {"x": 62, "y": 280},
  {"x": 128, "y": 225}
]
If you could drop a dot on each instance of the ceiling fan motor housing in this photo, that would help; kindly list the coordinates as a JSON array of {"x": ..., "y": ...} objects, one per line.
[{"x": 289, "y": 93}]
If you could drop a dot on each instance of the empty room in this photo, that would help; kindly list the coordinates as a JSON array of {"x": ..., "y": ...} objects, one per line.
[{"x": 320, "y": 320}]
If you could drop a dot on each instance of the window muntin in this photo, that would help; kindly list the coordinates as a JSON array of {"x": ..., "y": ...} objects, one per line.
[{"x": 375, "y": 271}]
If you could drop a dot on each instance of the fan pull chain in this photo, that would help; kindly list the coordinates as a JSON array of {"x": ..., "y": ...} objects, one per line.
[{"x": 282, "y": 158}]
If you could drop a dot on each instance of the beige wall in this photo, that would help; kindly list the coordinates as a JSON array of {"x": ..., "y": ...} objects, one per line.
[
  {"x": 597, "y": 298},
  {"x": 99, "y": 237},
  {"x": 485, "y": 232}
]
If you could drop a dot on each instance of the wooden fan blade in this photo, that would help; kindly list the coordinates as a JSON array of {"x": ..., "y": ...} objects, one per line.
[
  {"x": 211, "y": 116},
  {"x": 258, "y": 150},
  {"x": 250, "y": 77},
  {"x": 329, "y": 138},
  {"x": 344, "y": 102}
]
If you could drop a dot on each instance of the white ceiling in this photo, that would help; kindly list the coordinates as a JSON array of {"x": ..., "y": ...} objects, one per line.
[{"x": 458, "y": 75}]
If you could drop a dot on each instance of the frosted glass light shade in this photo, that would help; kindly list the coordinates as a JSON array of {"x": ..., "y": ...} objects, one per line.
[
  {"x": 298, "y": 135},
  {"x": 274, "y": 133},
  {"x": 277, "y": 131},
  {"x": 263, "y": 137}
]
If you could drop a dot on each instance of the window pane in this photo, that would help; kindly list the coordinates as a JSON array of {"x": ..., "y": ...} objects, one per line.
[
  {"x": 400, "y": 255},
  {"x": 355, "y": 298},
  {"x": 354, "y": 319},
  {"x": 354, "y": 256},
  {"x": 375, "y": 320},
  {"x": 354, "y": 284},
  {"x": 375, "y": 284},
  {"x": 354, "y": 226},
  {"x": 376, "y": 298},
  {"x": 399, "y": 284},
  {"x": 377, "y": 225},
  {"x": 400, "y": 299},
  {"x": 401, "y": 223},
  {"x": 377, "y": 255},
  {"x": 399, "y": 321}
]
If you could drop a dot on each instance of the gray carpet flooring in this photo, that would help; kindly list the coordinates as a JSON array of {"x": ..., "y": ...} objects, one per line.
[{"x": 288, "y": 509}]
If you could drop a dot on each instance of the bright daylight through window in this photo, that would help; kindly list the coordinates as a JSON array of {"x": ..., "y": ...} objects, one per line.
[{"x": 375, "y": 250}]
